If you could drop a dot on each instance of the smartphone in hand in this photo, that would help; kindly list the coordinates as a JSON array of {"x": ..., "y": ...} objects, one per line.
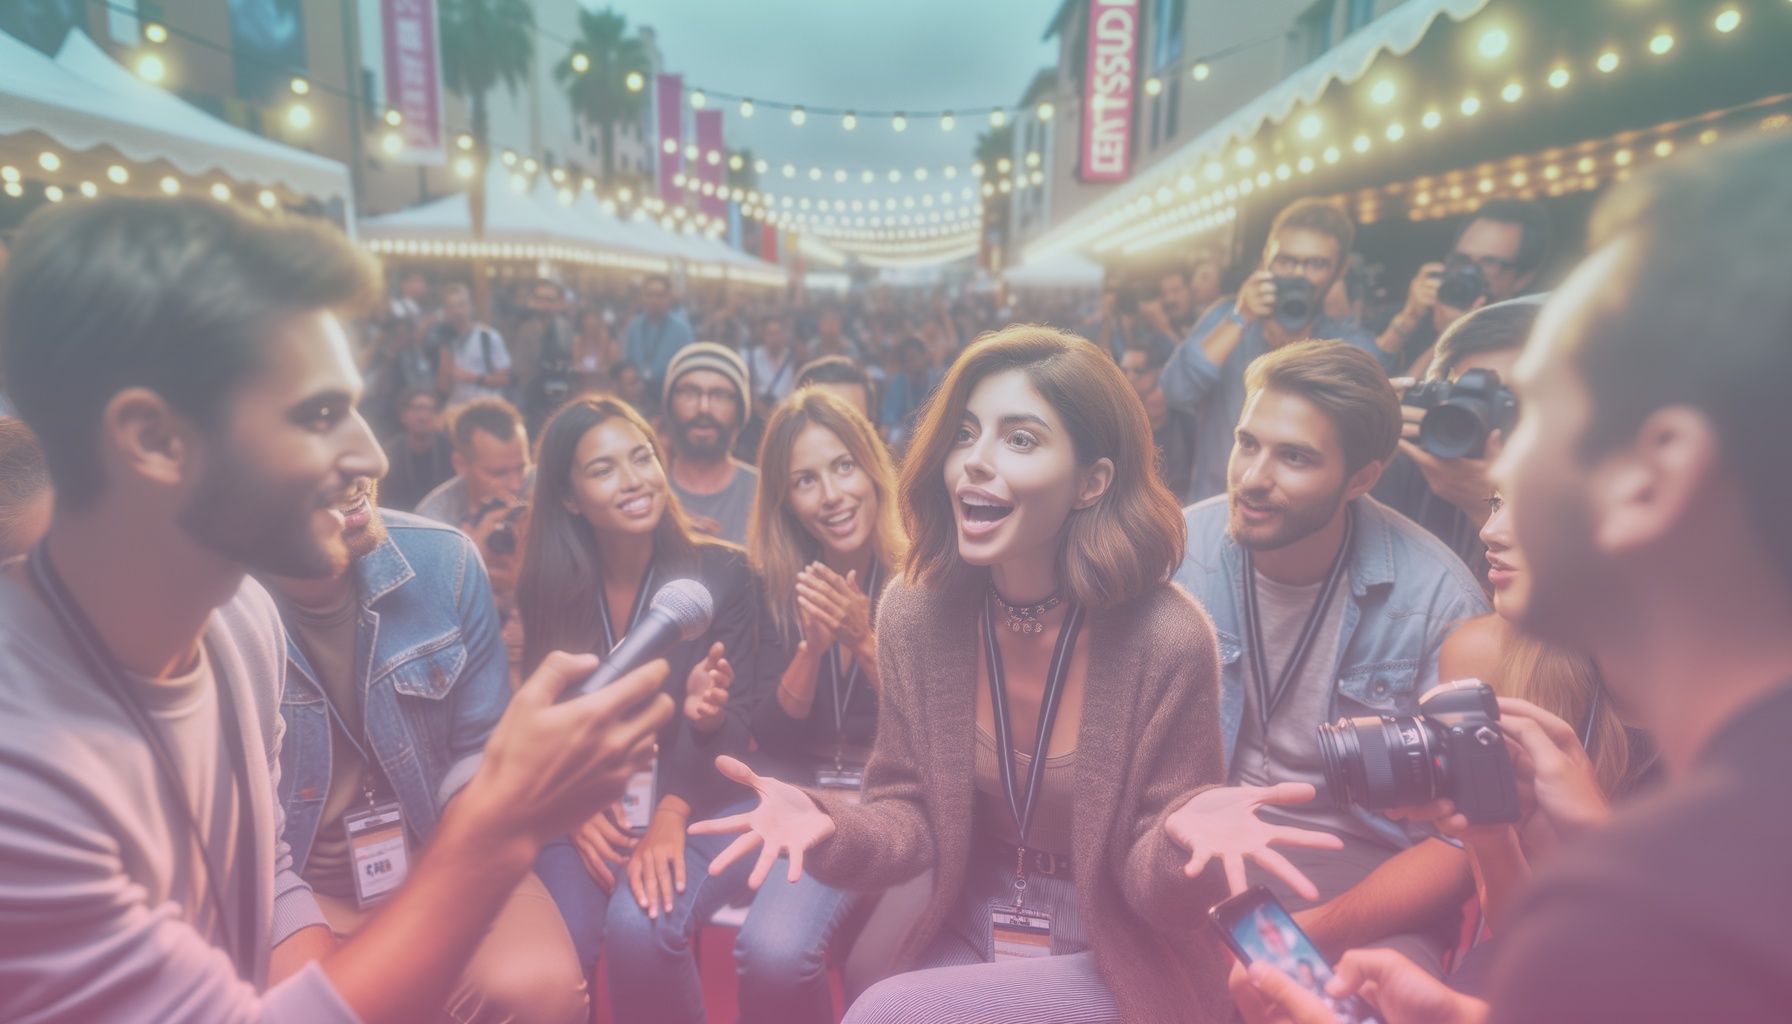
[{"x": 1256, "y": 927}]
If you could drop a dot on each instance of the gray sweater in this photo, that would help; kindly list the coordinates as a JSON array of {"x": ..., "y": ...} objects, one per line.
[
  {"x": 103, "y": 912},
  {"x": 1149, "y": 740}
]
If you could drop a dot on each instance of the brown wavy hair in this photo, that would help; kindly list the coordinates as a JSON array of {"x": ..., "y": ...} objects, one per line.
[
  {"x": 778, "y": 544},
  {"x": 556, "y": 589},
  {"x": 1115, "y": 550}
]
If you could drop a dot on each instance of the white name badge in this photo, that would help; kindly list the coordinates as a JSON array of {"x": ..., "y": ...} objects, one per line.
[
  {"x": 852, "y": 779},
  {"x": 1020, "y": 934},
  {"x": 637, "y": 799},
  {"x": 378, "y": 852}
]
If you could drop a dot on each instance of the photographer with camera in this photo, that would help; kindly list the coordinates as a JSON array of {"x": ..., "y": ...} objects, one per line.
[
  {"x": 471, "y": 360},
  {"x": 1496, "y": 256},
  {"x": 1327, "y": 603},
  {"x": 1648, "y": 479},
  {"x": 1455, "y": 420},
  {"x": 1279, "y": 304}
]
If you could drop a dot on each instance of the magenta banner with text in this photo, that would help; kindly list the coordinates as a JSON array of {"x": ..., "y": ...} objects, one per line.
[
  {"x": 414, "y": 78},
  {"x": 1106, "y": 147}
]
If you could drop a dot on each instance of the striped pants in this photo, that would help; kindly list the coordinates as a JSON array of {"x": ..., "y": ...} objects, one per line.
[{"x": 960, "y": 981}]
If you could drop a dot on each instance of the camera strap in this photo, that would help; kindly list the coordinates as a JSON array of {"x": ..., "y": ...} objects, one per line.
[
  {"x": 238, "y": 936},
  {"x": 842, "y": 703},
  {"x": 1022, "y": 807},
  {"x": 1270, "y": 695},
  {"x": 643, "y": 595}
]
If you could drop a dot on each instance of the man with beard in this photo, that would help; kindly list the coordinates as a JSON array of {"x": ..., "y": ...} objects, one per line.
[
  {"x": 1649, "y": 478},
  {"x": 1308, "y": 246},
  {"x": 1328, "y": 604},
  {"x": 706, "y": 403},
  {"x": 395, "y": 677},
  {"x": 194, "y": 394}
]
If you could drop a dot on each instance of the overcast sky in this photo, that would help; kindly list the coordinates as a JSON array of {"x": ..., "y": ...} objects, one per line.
[{"x": 964, "y": 55}]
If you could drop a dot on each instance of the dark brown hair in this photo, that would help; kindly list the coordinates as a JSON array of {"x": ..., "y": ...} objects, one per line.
[
  {"x": 1698, "y": 314},
  {"x": 1110, "y": 553},
  {"x": 23, "y": 478},
  {"x": 177, "y": 295},
  {"x": 1346, "y": 383},
  {"x": 556, "y": 589},
  {"x": 1316, "y": 215},
  {"x": 492, "y": 416}
]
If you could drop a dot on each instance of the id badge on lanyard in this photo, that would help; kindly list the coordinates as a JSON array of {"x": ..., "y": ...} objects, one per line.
[
  {"x": 1019, "y": 931},
  {"x": 638, "y": 797},
  {"x": 378, "y": 850}
]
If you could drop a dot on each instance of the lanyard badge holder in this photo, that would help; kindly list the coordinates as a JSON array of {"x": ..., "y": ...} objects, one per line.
[
  {"x": 378, "y": 850},
  {"x": 638, "y": 796},
  {"x": 1019, "y": 931},
  {"x": 842, "y": 776},
  {"x": 1270, "y": 698}
]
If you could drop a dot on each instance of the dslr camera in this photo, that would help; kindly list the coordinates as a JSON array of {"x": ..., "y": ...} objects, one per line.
[
  {"x": 502, "y": 541},
  {"x": 1297, "y": 302},
  {"x": 1454, "y": 747},
  {"x": 1462, "y": 283},
  {"x": 1459, "y": 414}
]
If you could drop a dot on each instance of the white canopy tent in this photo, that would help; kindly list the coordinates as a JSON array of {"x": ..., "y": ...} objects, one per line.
[
  {"x": 95, "y": 111},
  {"x": 1059, "y": 270}
]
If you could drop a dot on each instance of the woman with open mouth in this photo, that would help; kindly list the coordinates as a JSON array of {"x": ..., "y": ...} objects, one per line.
[
  {"x": 825, "y": 536},
  {"x": 605, "y": 533},
  {"x": 1048, "y": 736}
]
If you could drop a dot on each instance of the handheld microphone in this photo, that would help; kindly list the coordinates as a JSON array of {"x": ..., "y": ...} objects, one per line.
[{"x": 681, "y": 610}]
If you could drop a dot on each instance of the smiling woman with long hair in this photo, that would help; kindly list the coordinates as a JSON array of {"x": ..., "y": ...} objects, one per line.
[
  {"x": 1049, "y": 717},
  {"x": 825, "y": 538},
  {"x": 605, "y": 532}
]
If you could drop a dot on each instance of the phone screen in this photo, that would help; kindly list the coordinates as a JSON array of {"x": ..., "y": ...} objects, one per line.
[{"x": 1257, "y": 928}]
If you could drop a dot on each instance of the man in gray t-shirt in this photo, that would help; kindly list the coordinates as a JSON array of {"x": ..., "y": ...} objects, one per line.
[{"x": 707, "y": 400}]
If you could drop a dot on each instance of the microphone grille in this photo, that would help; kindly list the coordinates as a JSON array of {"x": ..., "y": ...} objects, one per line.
[{"x": 689, "y": 604}]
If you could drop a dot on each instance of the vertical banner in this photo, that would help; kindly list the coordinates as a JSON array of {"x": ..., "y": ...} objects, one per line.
[
  {"x": 669, "y": 94},
  {"x": 1111, "y": 71},
  {"x": 413, "y": 78},
  {"x": 709, "y": 140}
]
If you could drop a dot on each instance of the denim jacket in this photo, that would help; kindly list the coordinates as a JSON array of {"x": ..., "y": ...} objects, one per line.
[
  {"x": 433, "y": 672},
  {"x": 1407, "y": 592}
]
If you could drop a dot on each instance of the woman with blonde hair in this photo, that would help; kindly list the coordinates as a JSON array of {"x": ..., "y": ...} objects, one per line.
[
  {"x": 825, "y": 536},
  {"x": 1048, "y": 730}
]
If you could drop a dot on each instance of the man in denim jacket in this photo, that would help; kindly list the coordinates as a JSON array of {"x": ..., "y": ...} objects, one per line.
[
  {"x": 1297, "y": 538},
  {"x": 396, "y": 676}
]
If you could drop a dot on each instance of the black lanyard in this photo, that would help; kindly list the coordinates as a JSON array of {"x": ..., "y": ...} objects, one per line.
[
  {"x": 643, "y": 595},
  {"x": 239, "y": 938},
  {"x": 1022, "y": 809},
  {"x": 1269, "y": 697},
  {"x": 852, "y": 678}
]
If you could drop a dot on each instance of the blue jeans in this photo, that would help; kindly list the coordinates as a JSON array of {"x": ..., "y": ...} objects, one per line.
[
  {"x": 582, "y": 902},
  {"x": 780, "y": 951}
]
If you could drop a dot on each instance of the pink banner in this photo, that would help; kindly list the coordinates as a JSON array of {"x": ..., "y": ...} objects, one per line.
[
  {"x": 1108, "y": 90},
  {"x": 670, "y": 94},
  {"x": 709, "y": 140},
  {"x": 414, "y": 78}
]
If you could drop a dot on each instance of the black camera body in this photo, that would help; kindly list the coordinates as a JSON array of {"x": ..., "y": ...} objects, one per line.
[
  {"x": 1459, "y": 414},
  {"x": 1297, "y": 302},
  {"x": 1462, "y": 283},
  {"x": 1454, "y": 747},
  {"x": 502, "y": 540}
]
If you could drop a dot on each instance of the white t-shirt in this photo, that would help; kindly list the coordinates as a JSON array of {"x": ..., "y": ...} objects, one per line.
[{"x": 470, "y": 353}]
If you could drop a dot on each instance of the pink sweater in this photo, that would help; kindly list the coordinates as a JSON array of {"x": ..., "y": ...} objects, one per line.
[{"x": 1149, "y": 740}]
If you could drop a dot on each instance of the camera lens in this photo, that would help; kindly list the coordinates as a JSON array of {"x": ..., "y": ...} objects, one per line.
[
  {"x": 1456, "y": 429},
  {"x": 502, "y": 540},
  {"x": 1381, "y": 762}
]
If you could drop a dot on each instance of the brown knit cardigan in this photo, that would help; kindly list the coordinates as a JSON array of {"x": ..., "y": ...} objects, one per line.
[{"x": 1149, "y": 739}]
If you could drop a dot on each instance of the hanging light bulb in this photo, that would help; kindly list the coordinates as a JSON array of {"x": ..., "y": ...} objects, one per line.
[
  {"x": 746, "y": 108},
  {"x": 581, "y": 63},
  {"x": 849, "y": 121},
  {"x": 635, "y": 81},
  {"x": 947, "y": 121},
  {"x": 899, "y": 123},
  {"x": 998, "y": 117},
  {"x": 1045, "y": 111},
  {"x": 799, "y": 116}
]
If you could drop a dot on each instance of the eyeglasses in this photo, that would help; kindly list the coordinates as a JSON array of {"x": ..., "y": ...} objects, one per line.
[
  {"x": 1291, "y": 265},
  {"x": 688, "y": 394},
  {"x": 1489, "y": 264}
]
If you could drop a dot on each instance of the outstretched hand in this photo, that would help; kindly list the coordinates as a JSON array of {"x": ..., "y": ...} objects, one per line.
[
  {"x": 785, "y": 823},
  {"x": 1222, "y": 822}
]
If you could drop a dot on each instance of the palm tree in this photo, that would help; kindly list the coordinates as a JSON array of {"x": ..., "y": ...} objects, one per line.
[
  {"x": 992, "y": 146},
  {"x": 485, "y": 43},
  {"x": 600, "y": 93}
]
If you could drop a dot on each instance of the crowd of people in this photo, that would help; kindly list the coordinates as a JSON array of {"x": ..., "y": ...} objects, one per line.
[{"x": 1035, "y": 629}]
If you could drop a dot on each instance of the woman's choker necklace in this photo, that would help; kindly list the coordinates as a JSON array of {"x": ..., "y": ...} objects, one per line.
[{"x": 1025, "y": 618}]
